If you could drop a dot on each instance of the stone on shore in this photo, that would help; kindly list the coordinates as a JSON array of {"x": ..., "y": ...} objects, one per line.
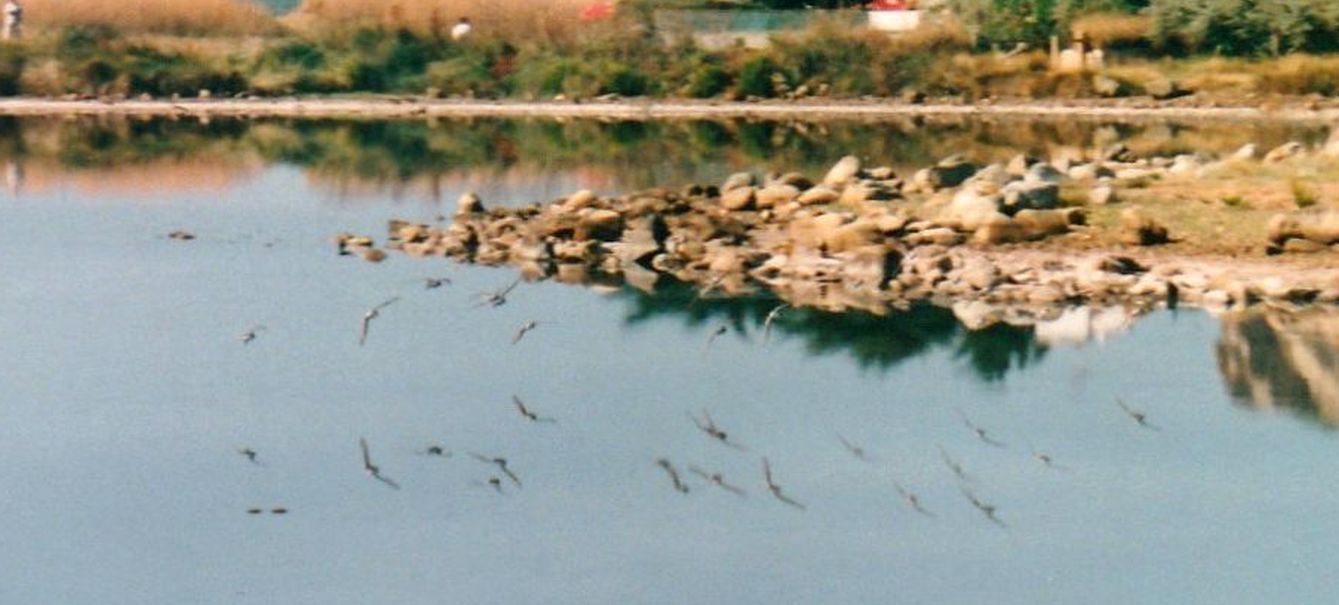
[
  {"x": 1140, "y": 230},
  {"x": 843, "y": 172},
  {"x": 468, "y": 204}
]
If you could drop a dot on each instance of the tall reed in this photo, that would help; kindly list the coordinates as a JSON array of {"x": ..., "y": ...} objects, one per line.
[{"x": 193, "y": 17}]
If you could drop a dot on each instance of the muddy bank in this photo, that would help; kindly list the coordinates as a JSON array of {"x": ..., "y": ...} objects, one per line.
[
  {"x": 1296, "y": 110},
  {"x": 996, "y": 243}
]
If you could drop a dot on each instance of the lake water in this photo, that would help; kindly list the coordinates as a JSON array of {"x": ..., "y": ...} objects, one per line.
[{"x": 127, "y": 393}]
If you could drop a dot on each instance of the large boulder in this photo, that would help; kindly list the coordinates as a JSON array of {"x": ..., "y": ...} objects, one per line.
[
  {"x": 1321, "y": 227},
  {"x": 775, "y": 194},
  {"x": 469, "y": 204},
  {"x": 1030, "y": 196},
  {"x": 599, "y": 224},
  {"x": 819, "y": 194},
  {"x": 969, "y": 210},
  {"x": 843, "y": 172},
  {"x": 950, "y": 172},
  {"x": 738, "y": 198},
  {"x": 1139, "y": 230},
  {"x": 736, "y": 181},
  {"x": 1283, "y": 152}
]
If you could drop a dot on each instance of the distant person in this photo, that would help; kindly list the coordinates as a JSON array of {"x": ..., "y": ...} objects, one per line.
[
  {"x": 13, "y": 20},
  {"x": 462, "y": 29}
]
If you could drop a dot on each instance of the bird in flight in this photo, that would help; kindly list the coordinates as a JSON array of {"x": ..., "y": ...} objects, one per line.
[
  {"x": 493, "y": 483},
  {"x": 719, "y": 480},
  {"x": 980, "y": 432},
  {"x": 912, "y": 500},
  {"x": 769, "y": 320},
  {"x": 499, "y": 297},
  {"x": 251, "y": 334},
  {"x": 776, "y": 489},
  {"x": 986, "y": 509},
  {"x": 717, "y": 333},
  {"x": 432, "y": 283},
  {"x": 372, "y": 469},
  {"x": 528, "y": 413},
  {"x": 250, "y": 455},
  {"x": 1137, "y": 415},
  {"x": 372, "y": 314},
  {"x": 673, "y": 473},
  {"x": 499, "y": 462},
  {"x": 708, "y": 426},
  {"x": 1045, "y": 459},
  {"x": 524, "y": 329},
  {"x": 953, "y": 465},
  {"x": 436, "y": 450},
  {"x": 857, "y": 451}
]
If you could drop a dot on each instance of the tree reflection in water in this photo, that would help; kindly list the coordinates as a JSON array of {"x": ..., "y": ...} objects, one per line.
[
  {"x": 876, "y": 342},
  {"x": 1283, "y": 360}
]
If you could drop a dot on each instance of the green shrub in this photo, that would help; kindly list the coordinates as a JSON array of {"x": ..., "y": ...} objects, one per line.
[
  {"x": 707, "y": 81},
  {"x": 758, "y": 77},
  {"x": 11, "y": 71},
  {"x": 1247, "y": 27},
  {"x": 367, "y": 76},
  {"x": 299, "y": 54},
  {"x": 625, "y": 81}
]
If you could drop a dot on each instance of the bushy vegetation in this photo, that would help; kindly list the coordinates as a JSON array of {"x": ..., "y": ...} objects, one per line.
[
  {"x": 1247, "y": 27},
  {"x": 361, "y": 46}
]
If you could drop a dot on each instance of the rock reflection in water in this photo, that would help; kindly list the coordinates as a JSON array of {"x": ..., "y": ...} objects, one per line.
[
  {"x": 877, "y": 342},
  {"x": 1275, "y": 359}
]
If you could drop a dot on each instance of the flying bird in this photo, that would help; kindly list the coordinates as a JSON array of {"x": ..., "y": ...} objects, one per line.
[
  {"x": 250, "y": 455},
  {"x": 497, "y": 298},
  {"x": 493, "y": 483},
  {"x": 432, "y": 283},
  {"x": 436, "y": 450},
  {"x": 857, "y": 451},
  {"x": 500, "y": 463},
  {"x": 717, "y": 333},
  {"x": 525, "y": 328},
  {"x": 673, "y": 473},
  {"x": 769, "y": 320},
  {"x": 986, "y": 509},
  {"x": 1138, "y": 416},
  {"x": 953, "y": 465},
  {"x": 980, "y": 432},
  {"x": 776, "y": 489},
  {"x": 528, "y": 413},
  {"x": 912, "y": 500},
  {"x": 1045, "y": 459},
  {"x": 708, "y": 426},
  {"x": 372, "y": 469},
  {"x": 719, "y": 480},
  {"x": 251, "y": 334},
  {"x": 372, "y": 314}
]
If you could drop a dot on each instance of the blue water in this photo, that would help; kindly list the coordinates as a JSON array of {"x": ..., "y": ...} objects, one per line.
[{"x": 126, "y": 392}]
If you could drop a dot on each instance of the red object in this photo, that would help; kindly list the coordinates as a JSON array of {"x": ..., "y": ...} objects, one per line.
[
  {"x": 887, "y": 5},
  {"x": 597, "y": 12}
]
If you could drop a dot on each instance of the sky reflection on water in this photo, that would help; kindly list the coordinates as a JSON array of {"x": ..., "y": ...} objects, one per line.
[{"x": 127, "y": 392}]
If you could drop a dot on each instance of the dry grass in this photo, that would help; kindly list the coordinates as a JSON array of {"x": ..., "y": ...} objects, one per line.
[
  {"x": 1111, "y": 29},
  {"x": 212, "y": 17},
  {"x": 538, "y": 20}
]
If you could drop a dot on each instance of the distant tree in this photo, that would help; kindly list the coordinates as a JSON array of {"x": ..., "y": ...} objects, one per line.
[
  {"x": 1247, "y": 27},
  {"x": 1030, "y": 21}
]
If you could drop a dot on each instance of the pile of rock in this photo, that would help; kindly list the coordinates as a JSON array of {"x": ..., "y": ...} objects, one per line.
[{"x": 848, "y": 241}]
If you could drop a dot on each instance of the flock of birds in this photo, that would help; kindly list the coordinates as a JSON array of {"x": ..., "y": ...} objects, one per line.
[{"x": 704, "y": 423}]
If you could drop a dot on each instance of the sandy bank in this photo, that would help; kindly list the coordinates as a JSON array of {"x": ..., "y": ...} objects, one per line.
[{"x": 636, "y": 109}]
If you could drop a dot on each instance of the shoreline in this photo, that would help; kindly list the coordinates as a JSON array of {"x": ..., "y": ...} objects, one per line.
[{"x": 660, "y": 109}]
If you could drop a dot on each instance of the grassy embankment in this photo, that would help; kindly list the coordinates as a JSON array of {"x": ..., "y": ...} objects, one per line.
[{"x": 543, "y": 49}]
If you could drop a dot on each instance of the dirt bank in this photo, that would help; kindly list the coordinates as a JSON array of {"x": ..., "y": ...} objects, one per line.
[{"x": 1299, "y": 110}]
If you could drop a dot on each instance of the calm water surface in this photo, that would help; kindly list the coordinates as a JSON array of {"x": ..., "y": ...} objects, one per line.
[{"x": 126, "y": 393}]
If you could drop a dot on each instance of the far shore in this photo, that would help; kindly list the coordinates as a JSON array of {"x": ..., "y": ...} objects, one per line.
[{"x": 408, "y": 107}]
